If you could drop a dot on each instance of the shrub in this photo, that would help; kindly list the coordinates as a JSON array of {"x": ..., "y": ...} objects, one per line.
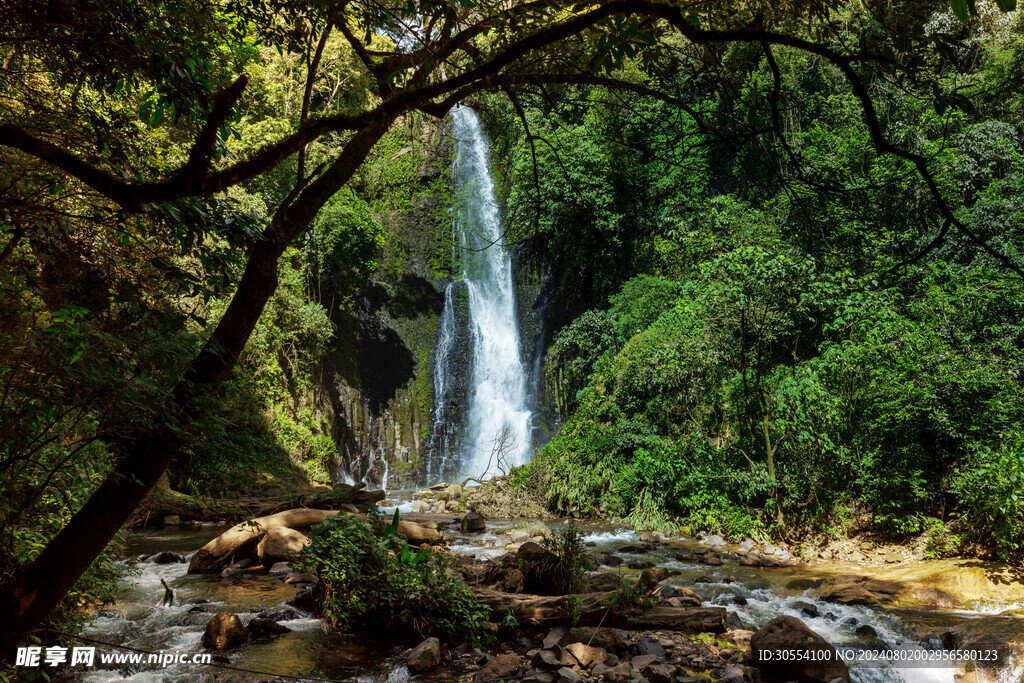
[
  {"x": 565, "y": 564},
  {"x": 369, "y": 578},
  {"x": 991, "y": 492}
]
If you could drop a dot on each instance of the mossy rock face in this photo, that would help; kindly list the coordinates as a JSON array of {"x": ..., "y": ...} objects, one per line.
[{"x": 377, "y": 371}]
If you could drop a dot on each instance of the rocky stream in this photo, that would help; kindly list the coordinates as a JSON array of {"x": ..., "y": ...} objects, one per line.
[{"x": 911, "y": 607}]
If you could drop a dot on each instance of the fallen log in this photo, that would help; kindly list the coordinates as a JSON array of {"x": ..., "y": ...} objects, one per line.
[
  {"x": 541, "y": 609},
  {"x": 591, "y": 608},
  {"x": 690, "y": 620},
  {"x": 242, "y": 538}
]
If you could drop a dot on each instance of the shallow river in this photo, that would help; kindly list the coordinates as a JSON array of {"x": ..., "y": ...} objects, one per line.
[{"x": 308, "y": 651}]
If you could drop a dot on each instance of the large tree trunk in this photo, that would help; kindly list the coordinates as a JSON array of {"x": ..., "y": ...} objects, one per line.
[{"x": 39, "y": 586}]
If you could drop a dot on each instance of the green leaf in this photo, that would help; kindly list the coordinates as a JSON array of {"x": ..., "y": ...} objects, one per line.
[{"x": 960, "y": 10}]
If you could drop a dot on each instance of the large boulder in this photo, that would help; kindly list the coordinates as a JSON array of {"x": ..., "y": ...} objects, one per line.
[
  {"x": 820, "y": 664},
  {"x": 425, "y": 656},
  {"x": 473, "y": 523},
  {"x": 280, "y": 544},
  {"x": 224, "y": 631}
]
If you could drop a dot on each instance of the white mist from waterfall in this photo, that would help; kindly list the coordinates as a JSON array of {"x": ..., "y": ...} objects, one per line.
[{"x": 498, "y": 419}]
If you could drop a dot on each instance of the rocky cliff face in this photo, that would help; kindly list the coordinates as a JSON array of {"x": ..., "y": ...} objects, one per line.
[{"x": 375, "y": 378}]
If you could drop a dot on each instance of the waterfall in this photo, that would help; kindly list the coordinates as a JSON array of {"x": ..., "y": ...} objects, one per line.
[{"x": 497, "y": 417}]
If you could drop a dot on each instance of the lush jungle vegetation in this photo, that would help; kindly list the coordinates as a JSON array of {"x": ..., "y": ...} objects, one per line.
[
  {"x": 776, "y": 336},
  {"x": 782, "y": 246}
]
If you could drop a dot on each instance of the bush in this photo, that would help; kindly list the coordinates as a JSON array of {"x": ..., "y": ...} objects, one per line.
[
  {"x": 991, "y": 492},
  {"x": 370, "y": 579},
  {"x": 565, "y": 564}
]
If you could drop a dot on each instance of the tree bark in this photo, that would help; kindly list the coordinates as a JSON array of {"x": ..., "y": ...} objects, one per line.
[{"x": 39, "y": 586}]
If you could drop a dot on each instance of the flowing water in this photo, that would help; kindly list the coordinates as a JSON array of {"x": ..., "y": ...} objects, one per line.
[
  {"x": 497, "y": 417},
  {"x": 310, "y": 651}
]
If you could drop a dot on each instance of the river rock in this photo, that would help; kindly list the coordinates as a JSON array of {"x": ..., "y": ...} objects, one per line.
[
  {"x": 224, "y": 631},
  {"x": 473, "y": 523},
  {"x": 640, "y": 564},
  {"x": 280, "y": 544},
  {"x": 650, "y": 578},
  {"x": 605, "y": 581},
  {"x": 806, "y": 608},
  {"x": 531, "y": 551},
  {"x": 586, "y": 655},
  {"x": 866, "y": 630},
  {"x": 166, "y": 557},
  {"x": 546, "y": 659},
  {"x": 264, "y": 629},
  {"x": 685, "y": 596},
  {"x": 557, "y": 636},
  {"x": 172, "y": 520},
  {"x": 713, "y": 559},
  {"x": 789, "y": 633},
  {"x": 567, "y": 675},
  {"x": 519, "y": 535},
  {"x": 652, "y": 537},
  {"x": 734, "y": 623},
  {"x": 659, "y": 673},
  {"x": 608, "y": 639},
  {"x": 611, "y": 560},
  {"x": 640, "y": 661},
  {"x": 740, "y": 636},
  {"x": 280, "y": 568},
  {"x": 425, "y": 656},
  {"x": 848, "y": 594},
  {"x": 501, "y": 667},
  {"x": 715, "y": 541},
  {"x": 420, "y": 506}
]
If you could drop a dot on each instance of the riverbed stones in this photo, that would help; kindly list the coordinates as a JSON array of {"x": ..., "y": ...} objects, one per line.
[
  {"x": 166, "y": 557},
  {"x": 658, "y": 673},
  {"x": 425, "y": 657},
  {"x": 501, "y": 667},
  {"x": 608, "y": 639},
  {"x": 473, "y": 523},
  {"x": 652, "y": 537},
  {"x": 519, "y": 535},
  {"x": 224, "y": 631},
  {"x": 806, "y": 608},
  {"x": 280, "y": 544},
  {"x": 546, "y": 659},
  {"x": 567, "y": 675},
  {"x": 559, "y": 636},
  {"x": 786, "y": 633},
  {"x": 260, "y": 628},
  {"x": 605, "y": 581},
  {"x": 848, "y": 594},
  {"x": 586, "y": 655}
]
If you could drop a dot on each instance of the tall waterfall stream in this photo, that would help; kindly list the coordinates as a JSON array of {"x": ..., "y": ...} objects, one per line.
[{"x": 497, "y": 417}]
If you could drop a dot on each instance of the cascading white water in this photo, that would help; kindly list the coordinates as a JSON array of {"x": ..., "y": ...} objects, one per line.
[{"x": 498, "y": 417}]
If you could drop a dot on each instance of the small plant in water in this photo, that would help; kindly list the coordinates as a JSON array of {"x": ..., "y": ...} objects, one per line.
[{"x": 565, "y": 564}]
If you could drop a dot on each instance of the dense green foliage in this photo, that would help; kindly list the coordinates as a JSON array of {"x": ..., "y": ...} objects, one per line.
[
  {"x": 371, "y": 581},
  {"x": 770, "y": 334}
]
